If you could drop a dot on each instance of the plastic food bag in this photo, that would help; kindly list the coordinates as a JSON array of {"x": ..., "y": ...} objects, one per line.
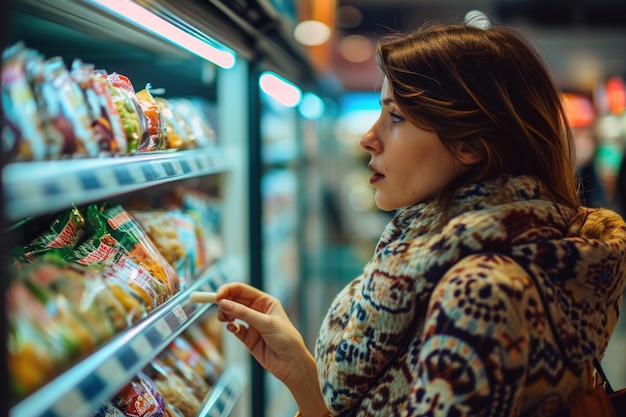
[
  {"x": 23, "y": 137},
  {"x": 127, "y": 231},
  {"x": 105, "y": 120},
  {"x": 56, "y": 315},
  {"x": 156, "y": 123},
  {"x": 134, "y": 121}
]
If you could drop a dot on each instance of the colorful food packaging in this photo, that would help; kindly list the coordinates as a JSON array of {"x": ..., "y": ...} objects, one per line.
[
  {"x": 105, "y": 121},
  {"x": 136, "y": 399},
  {"x": 205, "y": 346},
  {"x": 178, "y": 133},
  {"x": 183, "y": 349},
  {"x": 105, "y": 249},
  {"x": 120, "y": 224},
  {"x": 23, "y": 136},
  {"x": 134, "y": 121},
  {"x": 177, "y": 237},
  {"x": 66, "y": 230},
  {"x": 174, "y": 389},
  {"x": 196, "y": 383},
  {"x": 192, "y": 115},
  {"x": 156, "y": 124},
  {"x": 66, "y": 108},
  {"x": 161, "y": 230},
  {"x": 57, "y": 314}
]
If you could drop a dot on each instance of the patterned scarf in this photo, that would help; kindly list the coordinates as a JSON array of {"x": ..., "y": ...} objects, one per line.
[{"x": 366, "y": 350}]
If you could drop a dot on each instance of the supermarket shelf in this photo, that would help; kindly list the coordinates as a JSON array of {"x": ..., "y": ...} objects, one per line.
[
  {"x": 39, "y": 187},
  {"x": 82, "y": 389},
  {"x": 222, "y": 397}
]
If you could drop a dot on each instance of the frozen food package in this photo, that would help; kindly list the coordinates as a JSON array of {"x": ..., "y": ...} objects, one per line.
[
  {"x": 207, "y": 211},
  {"x": 23, "y": 136},
  {"x": 183, "y": 349},
  {"x": 47, "y": 333},
  {"x": 207, "y": 347},
  {"x": 67, "y": 229},
  {"x": 161, "y": 230},
  {"x": 136, "y": 400},
  {"x": 174, "y": 389},
  {"x": 177, "y": 236},
  {"x": 105, "y": 121},
  {"x": 179, "y": 135},
  {"x": 190, "y": 234},
  {"x": 196, "y": 383},
  {"x": 192, "y": 113},
  {"x": 65, "y": 104},
  {"x": 156, "y": 123},
  {"x": 134, "y": 121},
  {"x": 85, "y": 292},
  {"x": 126, "y": 230},
  {"x": 120, "y": 268}
]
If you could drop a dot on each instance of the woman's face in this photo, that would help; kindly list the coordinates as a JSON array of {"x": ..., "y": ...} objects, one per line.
[{"x": 410, "y": 165}]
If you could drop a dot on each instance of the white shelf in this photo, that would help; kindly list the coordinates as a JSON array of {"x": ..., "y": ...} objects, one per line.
[
  {"x": 82, "y": 389},
  {"x": 39, "y": 187}
]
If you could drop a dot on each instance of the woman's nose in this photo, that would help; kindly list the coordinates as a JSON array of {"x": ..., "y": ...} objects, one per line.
[{"x": 369, "y": 141}]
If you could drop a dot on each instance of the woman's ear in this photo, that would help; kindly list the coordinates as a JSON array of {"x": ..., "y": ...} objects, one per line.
[{"x": 467, "y": 154}]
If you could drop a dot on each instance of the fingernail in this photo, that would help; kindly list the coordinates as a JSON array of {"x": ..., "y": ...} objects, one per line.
[
  {"x": 226, "y": 305},
  {"x": 232, "y": 327}
]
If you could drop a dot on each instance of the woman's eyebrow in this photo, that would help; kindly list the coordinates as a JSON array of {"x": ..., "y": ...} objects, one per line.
[{"x": 386, "y": 101}]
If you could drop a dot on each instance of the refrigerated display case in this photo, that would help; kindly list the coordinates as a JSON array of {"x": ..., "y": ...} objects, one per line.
[{"x": 34, "y": 191}]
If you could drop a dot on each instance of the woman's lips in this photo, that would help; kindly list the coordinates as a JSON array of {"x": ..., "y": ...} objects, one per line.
[{"x": 376, "y": 177}]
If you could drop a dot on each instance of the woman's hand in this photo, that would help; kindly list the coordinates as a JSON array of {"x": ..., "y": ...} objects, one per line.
[{"x": 273, "y": 341}]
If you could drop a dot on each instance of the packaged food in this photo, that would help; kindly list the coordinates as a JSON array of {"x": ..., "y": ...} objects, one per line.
[
  {"x": 183, "y": 349},
  {"x": 177, "y": 237},
  {"x": 196, "y": 383},
  {"x": 85, "y": 293},
  {"x": 106, "y": 125},
  {"x": 23, "y": 137},
  {"x": 161, "y": 230},
  {"x": 66, "y": 107},
  {"x": 207, "y": 347},
  {"x": 174, "y": 389},
  {"x": 127, "y": 231},
  {"x": 191, "y": 112},
  {"x": 120, "y": 268},
  {"x": 136, "y": 400},
  {"x": 48, "y": 331},
  {"x": 134, "y": 121},
  {"x": 66, "y": 230},
  {"x": 179, "y": 134},
  {"x": 156, "y": 123},
  {"x": 35, "y": 349}
]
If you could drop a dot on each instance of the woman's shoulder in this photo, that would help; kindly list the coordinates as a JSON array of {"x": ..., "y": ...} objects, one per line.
[{"x": 488, "y": 296}]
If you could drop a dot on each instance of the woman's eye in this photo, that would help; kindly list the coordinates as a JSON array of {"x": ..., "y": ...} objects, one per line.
[{"x": 395, "y": 117}]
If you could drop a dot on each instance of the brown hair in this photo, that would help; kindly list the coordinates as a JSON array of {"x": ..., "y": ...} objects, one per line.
[{"x": 489, "y": 89}]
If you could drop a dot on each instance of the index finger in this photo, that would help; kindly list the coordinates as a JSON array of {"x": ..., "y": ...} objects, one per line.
[{"x": 242, "y": 293}]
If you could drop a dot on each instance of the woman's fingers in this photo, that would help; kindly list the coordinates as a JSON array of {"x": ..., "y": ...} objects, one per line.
[{"x": 232, "y": 310}]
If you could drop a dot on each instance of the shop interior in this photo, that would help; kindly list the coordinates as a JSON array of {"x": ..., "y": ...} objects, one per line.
[{"x": 253, "y": 174}]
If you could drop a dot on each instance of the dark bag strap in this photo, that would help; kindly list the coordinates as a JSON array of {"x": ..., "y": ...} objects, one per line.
[{"x": 605, "y": 381}]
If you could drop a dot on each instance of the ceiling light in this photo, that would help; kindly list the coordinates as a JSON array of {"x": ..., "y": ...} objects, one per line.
[
  {"x": 282, "y": 90},
  {"x": 132, "y": 12},
  {"x": 311, "y": 32}
]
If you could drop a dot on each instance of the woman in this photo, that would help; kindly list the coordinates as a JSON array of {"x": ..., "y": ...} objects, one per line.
[{"x": 491, "y": 290}]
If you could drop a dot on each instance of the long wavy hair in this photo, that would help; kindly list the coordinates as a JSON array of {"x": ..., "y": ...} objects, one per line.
[{"x": 490, "y": 90}]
